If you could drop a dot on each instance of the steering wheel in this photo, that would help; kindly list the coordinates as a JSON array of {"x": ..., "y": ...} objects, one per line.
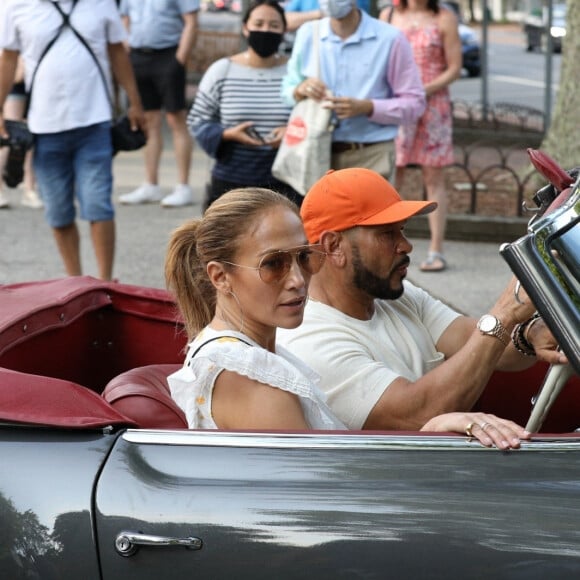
[
  {"x": 554, "y": 381},
  {"x": 547, "y": 201}
]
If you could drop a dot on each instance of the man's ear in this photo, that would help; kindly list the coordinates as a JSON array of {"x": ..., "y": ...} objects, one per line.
[
  {"x": 331, "y": 242},
  {"x": 218, "y": 276}
]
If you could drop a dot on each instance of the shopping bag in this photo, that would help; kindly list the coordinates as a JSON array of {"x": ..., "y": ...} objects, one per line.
[{"x": 304, "y": 154}]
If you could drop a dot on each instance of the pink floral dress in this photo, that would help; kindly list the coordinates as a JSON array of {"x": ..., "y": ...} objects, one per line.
[{"x": 429, "y": 142}]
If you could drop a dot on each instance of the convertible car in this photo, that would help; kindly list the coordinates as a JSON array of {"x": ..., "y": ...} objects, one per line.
[{"x": 101, "y": 479}]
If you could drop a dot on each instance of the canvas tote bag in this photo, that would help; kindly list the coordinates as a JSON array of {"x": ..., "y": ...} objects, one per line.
[{"x": 304, "y": 154}]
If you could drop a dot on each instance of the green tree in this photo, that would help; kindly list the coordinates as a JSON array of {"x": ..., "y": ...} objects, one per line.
[{"x": 561, "y": 141}]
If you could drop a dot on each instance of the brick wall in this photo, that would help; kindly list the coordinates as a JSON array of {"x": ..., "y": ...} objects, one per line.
[{"x": 211, "y": 45}]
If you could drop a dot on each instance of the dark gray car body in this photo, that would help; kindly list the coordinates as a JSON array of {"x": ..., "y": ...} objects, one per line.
[{"x": 288, "y": 506}]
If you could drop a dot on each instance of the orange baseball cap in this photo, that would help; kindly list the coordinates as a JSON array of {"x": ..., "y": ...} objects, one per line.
[{"x": 351, "y": 197}]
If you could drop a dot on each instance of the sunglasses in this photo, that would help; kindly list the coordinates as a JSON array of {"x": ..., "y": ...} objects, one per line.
[{"x": 274, "y": 267}]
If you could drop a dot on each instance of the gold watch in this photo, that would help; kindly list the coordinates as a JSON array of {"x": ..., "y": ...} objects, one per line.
[{"x": 491, "y": 326}]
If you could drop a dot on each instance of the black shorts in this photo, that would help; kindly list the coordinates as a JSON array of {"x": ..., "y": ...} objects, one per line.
[{"x": 160, "y": 79}]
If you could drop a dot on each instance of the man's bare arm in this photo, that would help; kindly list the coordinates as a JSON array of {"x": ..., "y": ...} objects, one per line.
[{"x": 457, "y": 383}]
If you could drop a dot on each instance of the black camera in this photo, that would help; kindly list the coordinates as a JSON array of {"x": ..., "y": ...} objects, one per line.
[{"x": 19, "y": 141}]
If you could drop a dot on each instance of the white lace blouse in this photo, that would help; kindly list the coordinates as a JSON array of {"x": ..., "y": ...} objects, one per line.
[{"x": 192, "y": 385}]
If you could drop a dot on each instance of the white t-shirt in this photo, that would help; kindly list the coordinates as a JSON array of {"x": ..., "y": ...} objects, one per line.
[
  {"x": 68, "y": 90},
  {"x": 358, "y": 359},
  {"x": 192, "y": 386}
]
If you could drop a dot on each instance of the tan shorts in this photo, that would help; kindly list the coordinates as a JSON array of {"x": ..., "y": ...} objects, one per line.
[{"x": 379, "y": 157}]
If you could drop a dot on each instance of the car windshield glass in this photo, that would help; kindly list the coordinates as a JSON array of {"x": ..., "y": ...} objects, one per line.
[{"x": 566, "y": 251}]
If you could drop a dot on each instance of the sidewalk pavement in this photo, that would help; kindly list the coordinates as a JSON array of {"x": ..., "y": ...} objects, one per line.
[{"x": 474, "y": 279}]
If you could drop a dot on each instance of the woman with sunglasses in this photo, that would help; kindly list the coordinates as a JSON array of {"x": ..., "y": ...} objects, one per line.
[{"x": 238, "y": 274}]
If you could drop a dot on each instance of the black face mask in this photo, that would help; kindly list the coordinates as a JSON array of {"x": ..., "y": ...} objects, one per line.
[{"x": 264, "y": 43}]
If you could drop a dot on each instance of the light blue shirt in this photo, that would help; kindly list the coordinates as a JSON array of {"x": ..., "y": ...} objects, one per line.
[
  {"x": 156, "y": 23},
  {"x": 376, "y": 62}
]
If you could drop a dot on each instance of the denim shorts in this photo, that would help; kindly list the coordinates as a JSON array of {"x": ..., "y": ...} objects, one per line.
[{"x": 75, "y": 163}]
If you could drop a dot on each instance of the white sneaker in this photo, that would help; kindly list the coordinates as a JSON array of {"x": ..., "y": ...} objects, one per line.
[
  {"x": 31, "y": 199},
  {"x": 4, "y": 201},
  {"x": 181, "y": 195},
  {"x": 147, "y": 193}
]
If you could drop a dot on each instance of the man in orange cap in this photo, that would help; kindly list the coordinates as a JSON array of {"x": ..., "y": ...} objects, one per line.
[{"x": 390, "y": 356}]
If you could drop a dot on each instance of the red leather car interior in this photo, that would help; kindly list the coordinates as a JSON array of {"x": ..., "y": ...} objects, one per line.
[
  {"x": 36, "y": 400},
  {"x": 142, "y": 394}
]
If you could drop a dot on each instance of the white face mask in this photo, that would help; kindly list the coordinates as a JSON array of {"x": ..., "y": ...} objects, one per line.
[{"x": 336, "y": 8}]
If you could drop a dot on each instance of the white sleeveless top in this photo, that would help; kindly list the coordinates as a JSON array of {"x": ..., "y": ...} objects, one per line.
[{"x": 192, "y": 385}]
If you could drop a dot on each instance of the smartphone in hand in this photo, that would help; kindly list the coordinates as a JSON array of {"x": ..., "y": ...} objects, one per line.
[{"x": 251, "y": 131}]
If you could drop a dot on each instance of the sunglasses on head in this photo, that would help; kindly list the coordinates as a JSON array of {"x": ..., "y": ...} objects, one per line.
[{"x": 274, "y": 267}]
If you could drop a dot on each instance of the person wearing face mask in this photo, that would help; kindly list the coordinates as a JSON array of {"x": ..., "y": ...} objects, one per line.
[
  {"x": 238, "y": 116},
  {"x": 368, "y": 77},
  {"x": 300, "y": 11}
]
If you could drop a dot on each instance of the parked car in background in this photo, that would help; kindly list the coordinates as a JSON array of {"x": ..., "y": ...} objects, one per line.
[
  {"x": 470, "y": 48},
  {"x": 470, "y": 45},
  {"x": 536, "y": 26},
  {"x": 102, "y": 480}
]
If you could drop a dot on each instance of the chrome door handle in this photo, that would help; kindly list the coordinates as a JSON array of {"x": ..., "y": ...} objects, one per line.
[{"x": 127, "y": 543}]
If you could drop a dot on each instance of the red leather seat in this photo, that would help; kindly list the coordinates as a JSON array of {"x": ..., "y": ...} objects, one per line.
[{"x": 142, "y": 394}]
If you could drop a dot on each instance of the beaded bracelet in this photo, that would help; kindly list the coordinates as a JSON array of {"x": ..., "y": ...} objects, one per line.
[{"x": 519, "y": 338}]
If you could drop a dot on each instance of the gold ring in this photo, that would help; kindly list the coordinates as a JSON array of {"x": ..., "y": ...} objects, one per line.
[
  {"x": 469, "y": 428},
  {"x": 517, "y": 292},
  {"x": 484, "y": 425}
]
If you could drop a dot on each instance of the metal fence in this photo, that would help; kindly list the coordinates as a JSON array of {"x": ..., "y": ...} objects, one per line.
[{"x": 492, "y": 174}]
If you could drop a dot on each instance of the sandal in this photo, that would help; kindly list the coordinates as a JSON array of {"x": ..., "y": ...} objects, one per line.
[{"x": 435, "y": 262}]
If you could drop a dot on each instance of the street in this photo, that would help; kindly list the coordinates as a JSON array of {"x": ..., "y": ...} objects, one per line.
[{"x": 515, "y": 76}]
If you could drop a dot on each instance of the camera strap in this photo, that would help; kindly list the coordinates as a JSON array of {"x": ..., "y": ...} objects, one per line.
[{"x": 65, "y": 22}]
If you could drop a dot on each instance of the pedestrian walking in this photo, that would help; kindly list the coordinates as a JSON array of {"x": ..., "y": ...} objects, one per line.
[{"x": 70, "y": 112}]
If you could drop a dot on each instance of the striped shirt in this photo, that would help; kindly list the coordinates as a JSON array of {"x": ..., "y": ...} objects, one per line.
[{"x": 229, "y": 94}]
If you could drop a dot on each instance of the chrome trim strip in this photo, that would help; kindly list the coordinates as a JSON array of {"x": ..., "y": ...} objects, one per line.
[{"x": 333, "y": 440}]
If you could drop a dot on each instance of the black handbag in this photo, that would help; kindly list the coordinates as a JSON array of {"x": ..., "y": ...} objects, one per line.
[{"x": 123, "y": 136}]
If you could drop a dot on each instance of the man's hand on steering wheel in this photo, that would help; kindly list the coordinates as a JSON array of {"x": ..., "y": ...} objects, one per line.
[{"x": 544, "y": 343}]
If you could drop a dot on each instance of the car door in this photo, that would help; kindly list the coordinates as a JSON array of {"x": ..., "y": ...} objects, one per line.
[
  {"x": 210, "y": 505},
  {"x": 47, "y": 479}
]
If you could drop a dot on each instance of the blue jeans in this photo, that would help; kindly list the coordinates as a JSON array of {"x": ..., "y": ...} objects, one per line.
[{"x": 78, "y": 162}]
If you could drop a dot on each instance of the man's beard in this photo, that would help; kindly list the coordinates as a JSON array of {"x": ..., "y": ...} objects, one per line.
[{"x": 373, "y": 285}]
